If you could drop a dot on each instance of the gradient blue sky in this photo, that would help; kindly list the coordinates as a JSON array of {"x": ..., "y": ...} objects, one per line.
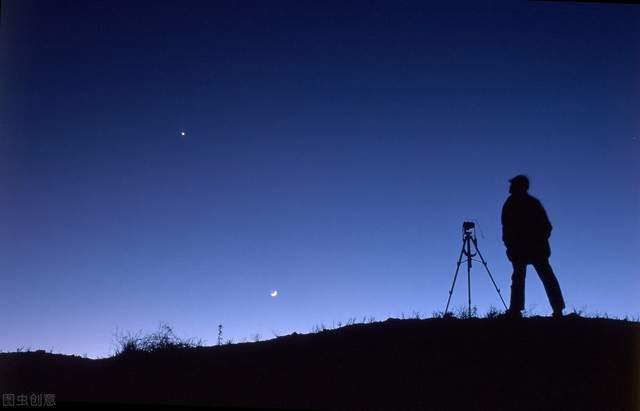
[{"x": 333, "y": 150}]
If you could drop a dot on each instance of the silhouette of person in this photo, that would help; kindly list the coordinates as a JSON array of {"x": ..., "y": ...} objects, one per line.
[{"x": 525, "y": 232}]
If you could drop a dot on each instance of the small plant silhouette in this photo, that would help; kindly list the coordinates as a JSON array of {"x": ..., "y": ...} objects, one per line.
[
  {"x": 464, "y": 314},
  {"x": 492, "y": 313},
  {"x": 438, "y": 314},
  {"x": 162, "y": 340}
]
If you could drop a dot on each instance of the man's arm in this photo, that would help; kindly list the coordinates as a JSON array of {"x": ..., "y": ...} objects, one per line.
[
  {"x": 505, "y": 218},
  {"x": 543, "y": 220},
  {"x": 547, "y": 224}
]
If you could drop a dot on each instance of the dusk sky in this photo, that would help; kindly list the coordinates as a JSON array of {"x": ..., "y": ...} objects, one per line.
[{"x": 332, "y": 150}]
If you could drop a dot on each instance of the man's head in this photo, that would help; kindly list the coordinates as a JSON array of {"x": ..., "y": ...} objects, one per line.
[{"x": 519, "y": 184}]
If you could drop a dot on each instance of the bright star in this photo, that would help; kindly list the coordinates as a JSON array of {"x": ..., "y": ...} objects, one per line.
[{"x": 274, "y": 293}]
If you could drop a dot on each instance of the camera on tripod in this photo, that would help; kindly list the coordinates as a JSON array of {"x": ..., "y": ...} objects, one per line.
[{"x": 468, "y": 240}]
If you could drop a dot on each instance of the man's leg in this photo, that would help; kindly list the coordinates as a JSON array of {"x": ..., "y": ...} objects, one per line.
[
  {"x": 551, "y": 286},
  {"x": 517, "y": 286}
]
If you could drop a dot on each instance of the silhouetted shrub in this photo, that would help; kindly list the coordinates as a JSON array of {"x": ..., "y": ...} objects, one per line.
[
  {"x": 463, "y": 313},
  {"x": 128, "y": 343},
  {"x": 492, "y": 313},
  {"x": 162, "y": 340}
]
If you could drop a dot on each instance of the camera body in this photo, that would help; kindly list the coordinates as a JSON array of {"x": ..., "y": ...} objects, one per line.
[{"x": 468, "y": 225}]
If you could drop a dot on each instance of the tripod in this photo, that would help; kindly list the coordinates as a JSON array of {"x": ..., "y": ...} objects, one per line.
[{"x": 468, "y": 237}]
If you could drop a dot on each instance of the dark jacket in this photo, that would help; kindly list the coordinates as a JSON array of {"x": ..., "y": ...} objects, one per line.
[{"x": 525, "y": 228}]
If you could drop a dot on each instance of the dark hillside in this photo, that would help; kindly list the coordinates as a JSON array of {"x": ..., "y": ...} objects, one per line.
[{"x": 536, "y": 363}]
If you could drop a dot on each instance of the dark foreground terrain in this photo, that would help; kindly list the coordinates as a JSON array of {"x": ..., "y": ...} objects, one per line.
[{"x": 448, "y": 364}]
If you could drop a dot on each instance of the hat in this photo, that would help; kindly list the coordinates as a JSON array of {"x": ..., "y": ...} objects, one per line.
[{"x": 520, "y": 182}]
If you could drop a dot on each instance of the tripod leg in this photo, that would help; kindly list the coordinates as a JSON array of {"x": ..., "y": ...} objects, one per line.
[
  {"x": 468, "y": 253},
  {"x": 475, "y": 243},
  {"x": 454, "y": 279}
]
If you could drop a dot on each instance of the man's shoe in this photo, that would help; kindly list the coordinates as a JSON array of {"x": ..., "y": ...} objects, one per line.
[{"x": 557, "y": 314}]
